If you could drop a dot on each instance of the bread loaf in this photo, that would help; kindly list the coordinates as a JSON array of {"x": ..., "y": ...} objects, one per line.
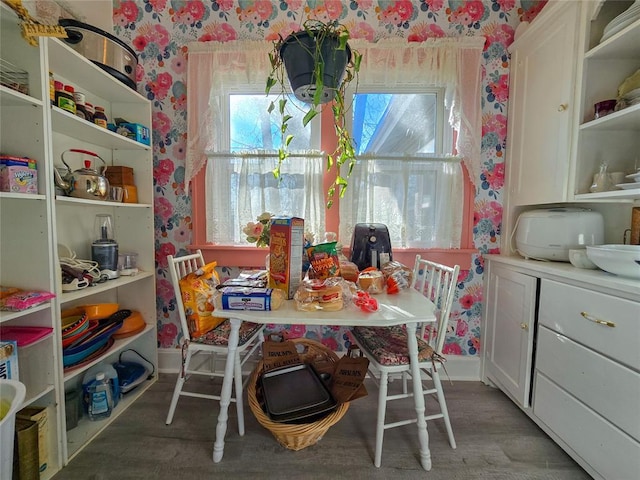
[
  {"x": 319, "y": 295},
  {"x": 371, "y": 280}
]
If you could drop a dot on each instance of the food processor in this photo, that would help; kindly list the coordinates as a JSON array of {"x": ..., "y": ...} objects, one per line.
[{"x": 104, "y": 250}]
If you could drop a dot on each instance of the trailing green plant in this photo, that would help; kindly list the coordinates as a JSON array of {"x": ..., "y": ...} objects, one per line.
[{"x": 344, "y": 154}]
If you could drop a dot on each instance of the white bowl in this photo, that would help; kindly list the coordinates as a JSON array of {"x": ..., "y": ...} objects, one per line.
[
  {"x": 618, "y": 259},
  {"x": 579, "y": 259}
]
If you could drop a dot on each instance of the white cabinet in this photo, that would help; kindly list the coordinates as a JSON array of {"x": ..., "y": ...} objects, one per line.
[
  {"x": 509, "y": 317},
  {"x": 613, "y": 139},
  {"x": 541, "y": 106},
  {"x": 37, "y": 228},
  {"x": 587, "y": 376},
  {"x": 583, "y": 364}
]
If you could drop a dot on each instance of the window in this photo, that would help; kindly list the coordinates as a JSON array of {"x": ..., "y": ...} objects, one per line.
[
  {"x": 398, "y": 181},
  {"x": 393, "y": 168}
]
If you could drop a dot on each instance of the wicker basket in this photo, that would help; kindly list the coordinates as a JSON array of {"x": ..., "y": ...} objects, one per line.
[{"x": 297, "y": 436}]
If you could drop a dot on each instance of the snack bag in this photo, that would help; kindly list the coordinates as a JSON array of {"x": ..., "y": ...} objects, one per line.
[
  {"x": 196, "y": 289},
  {"x": 324, "y": 261}
]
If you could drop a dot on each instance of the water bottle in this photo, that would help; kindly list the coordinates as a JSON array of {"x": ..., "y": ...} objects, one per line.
[{"x": 100, "y": 402}]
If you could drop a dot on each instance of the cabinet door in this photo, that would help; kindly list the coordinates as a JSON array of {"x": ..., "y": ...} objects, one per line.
[
  {"x": 541, "y": 92},
  {"x": 509, "y": 326}
]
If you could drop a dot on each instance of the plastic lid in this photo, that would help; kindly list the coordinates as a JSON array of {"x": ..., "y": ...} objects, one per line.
[
  {"x": 58, "y": 85},
  {"x": 69, "y": 88},
  {"x": 100, "y": 376}
]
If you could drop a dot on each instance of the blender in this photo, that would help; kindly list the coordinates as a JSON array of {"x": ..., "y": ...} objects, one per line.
[{"x": 104, "y": 250}]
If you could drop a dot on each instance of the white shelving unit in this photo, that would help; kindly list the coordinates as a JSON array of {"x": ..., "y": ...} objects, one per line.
[
  {"x": 613, "y": 139},
  {"x": 34, "y": 228}
]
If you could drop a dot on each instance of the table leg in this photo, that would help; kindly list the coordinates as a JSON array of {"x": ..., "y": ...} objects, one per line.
[
  {"x": 225, "y": 396},
  {"x": 418, "y": 397}
]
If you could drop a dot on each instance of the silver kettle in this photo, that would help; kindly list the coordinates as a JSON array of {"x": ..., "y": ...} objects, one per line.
[{"x": 86, "y": 182}]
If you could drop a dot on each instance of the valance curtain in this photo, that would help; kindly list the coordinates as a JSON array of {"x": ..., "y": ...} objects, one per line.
[{"x": 452, "y": 62}]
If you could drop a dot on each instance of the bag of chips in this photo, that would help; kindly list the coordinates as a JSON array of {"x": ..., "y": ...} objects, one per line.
[
  {"x": 324, "y": 261},
  {"x": 197, "y": 289}
]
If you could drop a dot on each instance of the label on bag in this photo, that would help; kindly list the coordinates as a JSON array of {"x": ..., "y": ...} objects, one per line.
[{"x": 242, "y": 298}]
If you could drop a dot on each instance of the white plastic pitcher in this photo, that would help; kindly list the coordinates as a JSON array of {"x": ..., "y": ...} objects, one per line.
[{"x": 13, "y": 393}]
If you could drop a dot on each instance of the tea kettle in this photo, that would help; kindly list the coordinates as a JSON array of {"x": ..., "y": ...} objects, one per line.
[{"x": 85, "y": 183}]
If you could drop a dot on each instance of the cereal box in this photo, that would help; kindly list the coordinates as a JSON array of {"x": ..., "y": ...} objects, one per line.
[
  {"x": 9, "y": 360},
  {"x": 285, "y": 254},
  {"x": 18, "y": 175}
]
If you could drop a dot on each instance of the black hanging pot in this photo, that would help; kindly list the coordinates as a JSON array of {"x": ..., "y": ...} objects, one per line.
[
  {"x": 298, "y": 51},
  {"x": 105, "y": 50}
]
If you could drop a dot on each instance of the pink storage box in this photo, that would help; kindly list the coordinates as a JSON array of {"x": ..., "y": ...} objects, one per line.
[{"x": 18, "y": 175}]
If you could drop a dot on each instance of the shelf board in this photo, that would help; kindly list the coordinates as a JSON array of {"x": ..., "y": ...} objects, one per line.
[
  {"x": 63, "y": 58},
  {"x": 118, "y": 345},
  {"x": 68, "y": 124},
  {"x": 610, "y": 195},
  {"x": 623, "y": 44},
  {"x": 103, "y": 287},
  {"x": 7, "y": 316},
  {"x": 39, "y": 395},
  {"x": 12, "y": 98},
  {"x": 86, "y": 430},
  {"x": 22, "y": 196},
  {"x": 626, "y": 119},
  {"x": 85, "y": 202}
]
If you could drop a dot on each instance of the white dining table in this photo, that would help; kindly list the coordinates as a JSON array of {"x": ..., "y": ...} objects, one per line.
[{"x": 408, "y": 307}]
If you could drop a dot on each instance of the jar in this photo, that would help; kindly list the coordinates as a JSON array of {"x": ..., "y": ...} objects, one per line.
[
  {"x": 81, "y": 112},
  {"x": 64, "y": 98},
  {"x": 99, "y": 117},
  {"x": 88, "y": 109}
]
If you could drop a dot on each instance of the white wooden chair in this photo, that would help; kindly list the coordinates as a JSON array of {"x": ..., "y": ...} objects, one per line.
[
  {"x": 387, "y": 350},
  {"x": 204, "y": 351}
]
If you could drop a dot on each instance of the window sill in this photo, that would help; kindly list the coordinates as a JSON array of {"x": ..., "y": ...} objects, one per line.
[{"x": 254, "y": 257}]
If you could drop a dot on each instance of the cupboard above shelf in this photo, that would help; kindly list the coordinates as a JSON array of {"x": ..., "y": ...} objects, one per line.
[{"x": 96, "y": 203}]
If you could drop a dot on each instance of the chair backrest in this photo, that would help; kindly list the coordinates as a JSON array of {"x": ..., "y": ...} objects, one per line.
[
  {"x": 437, "y": 282},
  {"x": 178, "y": 268}
]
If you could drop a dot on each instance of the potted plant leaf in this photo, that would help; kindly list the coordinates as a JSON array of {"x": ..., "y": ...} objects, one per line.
[{"x": 320, "y": 65}]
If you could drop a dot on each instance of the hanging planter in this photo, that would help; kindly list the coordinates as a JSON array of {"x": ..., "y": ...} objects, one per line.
[
  {"x": 319, "y": 65},
  {"x": 300, "y": 53}
]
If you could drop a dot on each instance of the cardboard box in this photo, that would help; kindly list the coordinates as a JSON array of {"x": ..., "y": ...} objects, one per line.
[
  {"x": 25, "y": 451},
  {"x": 40, "y": 416},
  {"x": 119, "y": 176},
  {"x": 18, "y": 175},
  {"x": 136, "y": 132},
  {"x": 9, "y": 360},
  {"x": 286, "y": 248}
]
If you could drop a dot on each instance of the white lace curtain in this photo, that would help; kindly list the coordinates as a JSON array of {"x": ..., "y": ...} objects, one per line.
[
  {"x": 453, "y": 62},
  {"x": 245, "y": 185}
]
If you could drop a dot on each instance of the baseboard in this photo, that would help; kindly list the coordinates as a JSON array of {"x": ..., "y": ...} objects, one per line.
[{"x": 458, "y": 367}]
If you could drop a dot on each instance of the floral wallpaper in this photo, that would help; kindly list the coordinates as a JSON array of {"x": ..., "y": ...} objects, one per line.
[{"x": 159, "y": 30}]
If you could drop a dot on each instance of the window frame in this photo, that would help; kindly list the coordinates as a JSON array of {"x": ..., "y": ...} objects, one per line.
[{"x": 251, "y": 256}]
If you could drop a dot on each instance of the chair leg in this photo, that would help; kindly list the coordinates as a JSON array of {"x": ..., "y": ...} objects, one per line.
[
  {"x": 382, "y": 410},
  {"x": 237, "y": 374},
  {"x": 443, "y": 406},
  {"x": 178, "y": 388}
]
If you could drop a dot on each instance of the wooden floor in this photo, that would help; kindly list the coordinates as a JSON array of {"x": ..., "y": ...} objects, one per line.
[{"x": 495, "y": 441}]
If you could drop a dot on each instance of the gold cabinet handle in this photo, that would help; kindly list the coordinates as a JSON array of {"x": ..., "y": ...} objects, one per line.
[
  {"x": 593, "y": 319},
  {"x": 562, "y": 107},
  {"x": 524, "y": 326}
]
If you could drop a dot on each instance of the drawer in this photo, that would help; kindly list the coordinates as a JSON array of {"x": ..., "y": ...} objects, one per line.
[
  {"x": 609, "y": 451},
  {"x": 572, "y": 311},
  {"x": 609, "y": 388}
]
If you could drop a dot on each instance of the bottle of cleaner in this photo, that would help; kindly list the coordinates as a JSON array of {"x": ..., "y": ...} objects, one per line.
[{"x": 100, "y": 402}]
